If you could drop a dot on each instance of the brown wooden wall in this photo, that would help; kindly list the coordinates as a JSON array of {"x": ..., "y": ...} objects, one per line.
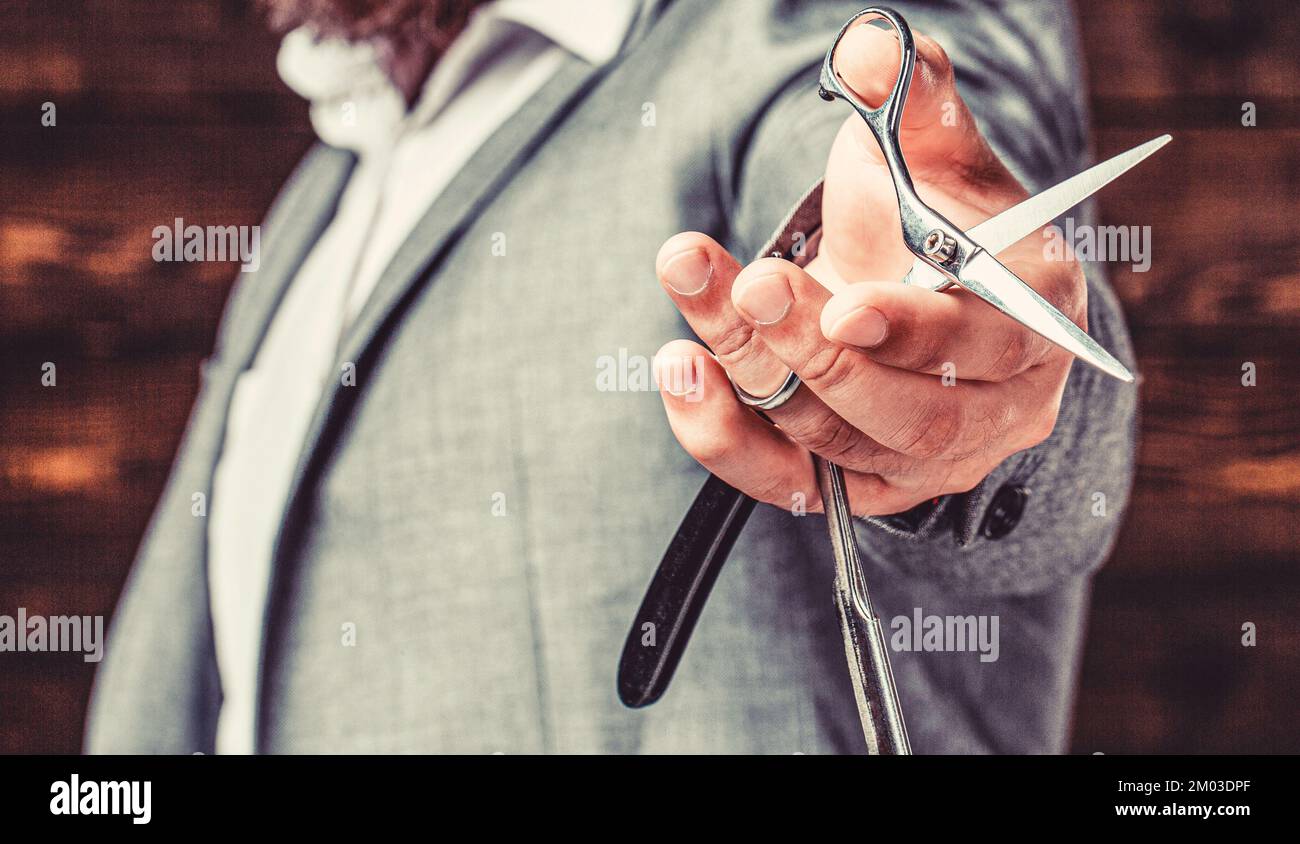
[
  {"x": 171, "y": 108},
  {"x": 165, "y": 108},
  {"x": 1211, "y": 540}
]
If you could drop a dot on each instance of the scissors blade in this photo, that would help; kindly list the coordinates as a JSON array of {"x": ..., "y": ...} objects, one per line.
[
  {"x": 1018, "y": 222},
  {"x": 985, "y": 276}
]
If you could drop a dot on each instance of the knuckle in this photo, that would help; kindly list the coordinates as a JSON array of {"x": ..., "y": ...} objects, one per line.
[
  {"x": 896, "y": 466},
  {"x": 776, "y": 491},
  {"x": 829, "y": 435},
  {"x": 929, "y": 429},
  {"x": 929, "y": 353},
  {"x": 734, "y": 344},
  {"x": 828, "y": 368},
  {"x": 836, "y": 440},
  {"x": 1023, "y": 347},
  {"x": 708, "y": 444}
]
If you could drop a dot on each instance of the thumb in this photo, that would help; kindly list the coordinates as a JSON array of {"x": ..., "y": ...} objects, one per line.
[{"x": 938, "y": 130}]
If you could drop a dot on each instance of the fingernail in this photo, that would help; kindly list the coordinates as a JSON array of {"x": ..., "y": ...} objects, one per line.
[
  {"x": 766, "y": 299},
  {"x": 864, "y": 327},
  {"x": 688, "y": 273},
  {"x": 676, "y": 375}
]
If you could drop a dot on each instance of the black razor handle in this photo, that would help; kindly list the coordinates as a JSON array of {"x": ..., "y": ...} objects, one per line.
[{"x": 679, "y": 590}]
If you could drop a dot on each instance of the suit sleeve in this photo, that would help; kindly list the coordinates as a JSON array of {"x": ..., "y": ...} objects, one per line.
[{"x": 1048, "y": 514}]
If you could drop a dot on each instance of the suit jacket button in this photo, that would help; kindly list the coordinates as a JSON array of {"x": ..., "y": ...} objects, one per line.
[{"x": 1004, "y": 513}]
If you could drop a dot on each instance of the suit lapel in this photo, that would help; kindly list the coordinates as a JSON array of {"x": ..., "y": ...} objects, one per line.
[
  {"x": 469, "y": 192},
  {"x": 310, "y": 200},
  {"x": 306, "y": 205},
  {"x": 472, "y": 188}
]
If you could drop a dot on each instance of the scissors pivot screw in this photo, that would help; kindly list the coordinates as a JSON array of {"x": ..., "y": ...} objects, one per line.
[{"x": 939, "y": 246}]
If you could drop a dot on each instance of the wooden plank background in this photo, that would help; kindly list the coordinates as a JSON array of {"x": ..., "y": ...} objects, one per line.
[
  {"x": 174, "y": 104},
  {"x": 1211, "y": 540}
]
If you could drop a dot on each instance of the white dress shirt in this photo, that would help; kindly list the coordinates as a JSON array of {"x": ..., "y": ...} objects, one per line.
[{"x": 509, "y": 49}]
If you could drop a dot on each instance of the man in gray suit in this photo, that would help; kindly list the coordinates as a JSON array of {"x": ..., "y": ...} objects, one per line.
[{"x": 437, "y": 482}]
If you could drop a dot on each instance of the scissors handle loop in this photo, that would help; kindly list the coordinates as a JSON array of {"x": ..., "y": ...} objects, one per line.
[
  {"x": 927, "y": 234},
  {"x": 886, "y": 120}
]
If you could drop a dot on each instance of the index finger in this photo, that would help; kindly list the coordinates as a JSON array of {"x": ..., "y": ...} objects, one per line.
[{"x": 950, "y": 333}]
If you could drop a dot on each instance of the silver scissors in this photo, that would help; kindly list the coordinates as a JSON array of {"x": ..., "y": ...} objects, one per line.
[{"x": 945, "y": 257}]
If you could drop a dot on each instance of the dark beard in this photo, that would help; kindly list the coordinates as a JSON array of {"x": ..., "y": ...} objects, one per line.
[
  {"x": 434, "y": 22},
  {"x": 409, "y": 35}
]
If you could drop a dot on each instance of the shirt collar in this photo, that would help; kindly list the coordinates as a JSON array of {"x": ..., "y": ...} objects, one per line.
[{"x": 354, "y": 106}]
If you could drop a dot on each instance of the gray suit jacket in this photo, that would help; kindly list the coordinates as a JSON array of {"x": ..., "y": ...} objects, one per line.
[{"x": 476, "y": 385}]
